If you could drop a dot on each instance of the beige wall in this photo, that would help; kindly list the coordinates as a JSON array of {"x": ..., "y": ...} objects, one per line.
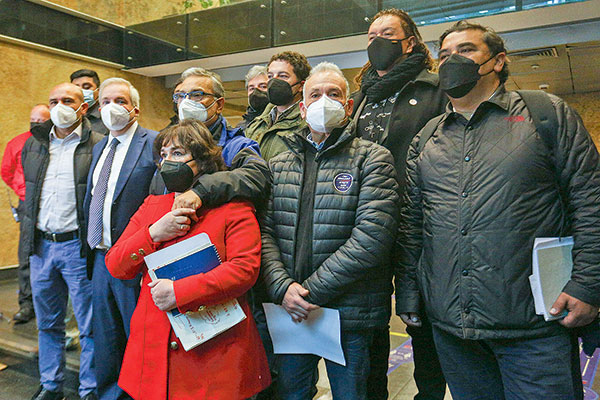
[
  {"x": 26, "y": 78},
  {"x": 588, "y": 106},
  {"x": 128, "y": 12}
]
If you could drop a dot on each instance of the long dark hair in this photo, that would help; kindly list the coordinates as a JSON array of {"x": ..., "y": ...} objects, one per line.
[
  {"x": 410, "y": 28},
  {"x": 194, "y": 137}
]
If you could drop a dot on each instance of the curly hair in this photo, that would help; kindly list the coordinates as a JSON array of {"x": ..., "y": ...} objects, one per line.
[
  {"x": 410, "y": 29},
  {"x": 298, "y": 62},
  {"x": 194, "y": 137},
  {"x": 493, "y": 41}
]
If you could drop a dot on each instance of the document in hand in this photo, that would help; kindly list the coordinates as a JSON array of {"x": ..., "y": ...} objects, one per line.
[
  {"x": 195, "y": 255},
  {"x": 552, "y": 264},
  {"x": 320, "y": 334}
]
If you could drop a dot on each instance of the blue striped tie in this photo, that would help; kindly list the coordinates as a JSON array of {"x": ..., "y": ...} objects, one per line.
[{"x": 97, "y": 204}]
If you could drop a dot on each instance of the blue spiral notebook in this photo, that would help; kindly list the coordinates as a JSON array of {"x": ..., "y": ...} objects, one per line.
[{"x": 193, "y": 256}]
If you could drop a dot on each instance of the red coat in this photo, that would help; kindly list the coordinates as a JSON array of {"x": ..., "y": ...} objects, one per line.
[
  {"x": 12, "y": 169},
  {"x": 230, "y": 366}
]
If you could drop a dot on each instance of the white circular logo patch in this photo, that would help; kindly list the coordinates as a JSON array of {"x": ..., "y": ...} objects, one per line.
[{"x": 342, "y": 182}]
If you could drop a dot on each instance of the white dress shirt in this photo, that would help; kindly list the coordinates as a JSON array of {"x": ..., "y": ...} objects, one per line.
[
  {"x": 120, "y": 153},
  {"x": 58, "y": 202}
]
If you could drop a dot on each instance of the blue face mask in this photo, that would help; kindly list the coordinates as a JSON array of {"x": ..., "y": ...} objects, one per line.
[{"x": 88, "y": 96}]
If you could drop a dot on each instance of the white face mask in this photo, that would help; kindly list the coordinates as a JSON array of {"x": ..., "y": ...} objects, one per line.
[
  {"x": 115, "y": 117},
  {"x": 63, "y": 116},
  {"x": 325, "y": 114},
  {"x": 189, "y": 109},
  {"x": 88, "y": 96}
]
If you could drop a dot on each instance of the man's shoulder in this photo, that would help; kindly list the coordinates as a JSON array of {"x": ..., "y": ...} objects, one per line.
[
  {"x": 149, "y": 134},
  {"x": 18, "y": 141}
]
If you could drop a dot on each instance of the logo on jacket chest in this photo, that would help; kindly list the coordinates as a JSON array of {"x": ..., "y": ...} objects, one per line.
[{"x": 343, "y": 182}]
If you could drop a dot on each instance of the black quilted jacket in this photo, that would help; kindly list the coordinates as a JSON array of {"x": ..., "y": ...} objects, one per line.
[
  {"x": 353, "y": 231},
  {"x": 478, "y": 195}
]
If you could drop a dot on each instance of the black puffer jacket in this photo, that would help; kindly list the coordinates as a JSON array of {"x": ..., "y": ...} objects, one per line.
[
  {"x": 479, "y": 193},
  {"x": 35, "y": 158},
  {"x": 353, "y": 231}
]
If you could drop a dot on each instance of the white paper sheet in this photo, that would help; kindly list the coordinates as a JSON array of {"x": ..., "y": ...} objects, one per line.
[
  {"x": 320, "y": 334},
  {"x": 552, "y": 264}
]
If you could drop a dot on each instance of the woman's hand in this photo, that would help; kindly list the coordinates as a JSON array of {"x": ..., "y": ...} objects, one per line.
[
  {"x": 163, "y": 294},
  {"x": 173, "y": 224}
]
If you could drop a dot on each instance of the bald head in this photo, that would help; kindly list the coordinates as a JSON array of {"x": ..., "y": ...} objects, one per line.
[
  {"x": 39, "y": 113},
  {"x": 69, "y": 88}
]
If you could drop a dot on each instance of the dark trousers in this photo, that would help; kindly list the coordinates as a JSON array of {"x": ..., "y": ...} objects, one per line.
[
  {"x": 114, "y": 301},
  {"x": 25, "y": 299},
  {"x": 379, "y": 354},
  {"x": 428, "y": 374},
  {"x": 507, "y": 369},
  {"x": 347, "y": 382}
]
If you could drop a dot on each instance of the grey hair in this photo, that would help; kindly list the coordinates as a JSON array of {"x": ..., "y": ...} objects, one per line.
[
  {"x": 133, "y": 92},
  {"x": 326, "y": 66},
  {"x": 255, "y": 71},
  {"x": 216, "y": 79}
]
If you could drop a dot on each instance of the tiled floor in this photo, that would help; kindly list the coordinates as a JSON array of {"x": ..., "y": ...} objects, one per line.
[{"x": 23, "y": 339}]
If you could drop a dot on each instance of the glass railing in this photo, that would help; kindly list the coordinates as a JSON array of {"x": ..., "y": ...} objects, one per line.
[
  {"x": 36, "y": 23},
  {"x": 232, "y": 28}
]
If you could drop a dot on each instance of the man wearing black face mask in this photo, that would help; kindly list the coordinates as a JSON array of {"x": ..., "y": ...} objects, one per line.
[
  {"x": 286, "y": 72},
  {"x": 12, "y": 174},
  {"x": 398, "y": 95},
  {"x": 258, "y": 98},
  {"x": 480, "y": 190}
]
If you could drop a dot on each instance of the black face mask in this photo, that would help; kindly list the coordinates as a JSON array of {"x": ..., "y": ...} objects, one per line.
[
  {"x": 280, "y": 92},
  {"x": 258, "y": 100},
  {"x": 383, "y": 52},
  {"x": 178, "y": 176},
  {"x": 459, "y": 75},
  {"x": 33, "y": 125}
]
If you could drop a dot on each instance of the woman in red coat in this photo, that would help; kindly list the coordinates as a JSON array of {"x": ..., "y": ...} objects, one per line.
[{"x": 231, "y": 365}]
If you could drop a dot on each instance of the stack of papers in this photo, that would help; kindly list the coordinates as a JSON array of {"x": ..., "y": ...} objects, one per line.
[
  {"x": 552, "y": 264},
  {"x": 320, "y": 334},
  {"x": 193, "y": 256}
]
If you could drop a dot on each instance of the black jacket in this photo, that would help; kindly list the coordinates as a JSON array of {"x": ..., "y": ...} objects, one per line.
[
  {"x": 93, "y": 115},
  {"x": 419, "y": 101},
  {"x": 479, "y": 193},
  {"x": 35, "y": 158},
  {"x": 353, "y": 230}
]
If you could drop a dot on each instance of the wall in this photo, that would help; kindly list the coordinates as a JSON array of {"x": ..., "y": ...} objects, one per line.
[
  {"x": 588, "y": 106},
  {"x": 26, "y": 78},
  {"x": 129, "y": 12}
]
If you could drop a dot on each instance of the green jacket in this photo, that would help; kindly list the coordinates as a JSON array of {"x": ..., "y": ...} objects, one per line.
[{"x": 270, "y": 136}]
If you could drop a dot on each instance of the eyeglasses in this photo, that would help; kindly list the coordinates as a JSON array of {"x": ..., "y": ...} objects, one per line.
[{"x": 196, "y": 95}]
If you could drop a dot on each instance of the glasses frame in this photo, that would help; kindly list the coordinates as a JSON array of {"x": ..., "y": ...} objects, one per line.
[{"x": 190, "y": 95}]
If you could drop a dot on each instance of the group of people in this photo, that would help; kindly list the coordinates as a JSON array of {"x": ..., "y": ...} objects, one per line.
[{"x": 319, "y": 198}]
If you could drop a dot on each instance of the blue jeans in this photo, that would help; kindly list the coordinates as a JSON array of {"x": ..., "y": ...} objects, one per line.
[
  {"x": 349, "y": 382},
  {"x": 506, "y": 369},
  {"x": 58, "y": 271}
]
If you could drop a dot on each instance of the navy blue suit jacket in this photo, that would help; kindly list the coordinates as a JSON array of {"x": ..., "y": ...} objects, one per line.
[{"x": 132, "y": 185}]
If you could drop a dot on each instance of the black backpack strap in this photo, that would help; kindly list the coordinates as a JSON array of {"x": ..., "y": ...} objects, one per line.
[
  {"x": 428, "y": 131},
  {"x": 543, "y": 114},
  {"x": 544, "y": 118}
]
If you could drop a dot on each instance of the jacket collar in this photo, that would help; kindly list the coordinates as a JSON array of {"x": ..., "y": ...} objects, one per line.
[
  {"x": 339, "y": 137},
  {"x": 221, "y": 131},
  {"x": 94, "y": 111},
  {"x": 500, "y": 98},
  {"x": 291, "y": 114}
]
